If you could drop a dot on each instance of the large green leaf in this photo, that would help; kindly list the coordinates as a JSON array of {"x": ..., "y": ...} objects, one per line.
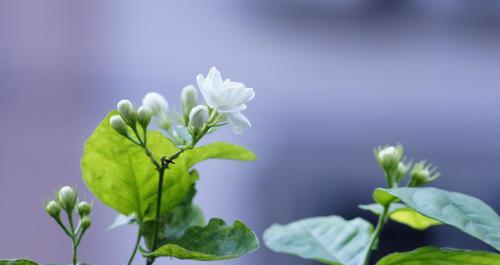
[
  {"x": 464, "y": 212},
  {"x": 403, "y": 214},
  {"x": 120, "y": 174},
  {"x": 441, "y": 256},
  {"x": 17, "y": 262},
  {"x": 215, "y": 241},
  {"x": 331, "y": 240}
]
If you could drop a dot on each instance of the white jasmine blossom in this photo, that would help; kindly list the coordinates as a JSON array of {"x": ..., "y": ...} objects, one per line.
[
  {"x": 189, "y": 99},
  {"x": 226, "y": 97},
  {"x": 144, "y": 114},
  {"x": 116, "y": 122},
  {"x": 389, "y": 156},
  {"x": 127, "y": 111}
]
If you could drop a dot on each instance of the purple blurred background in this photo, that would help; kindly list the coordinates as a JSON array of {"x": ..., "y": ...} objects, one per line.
[{"x": 333, "y": 80}]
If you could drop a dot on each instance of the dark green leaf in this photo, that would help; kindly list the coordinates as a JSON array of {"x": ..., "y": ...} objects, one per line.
[
  {"x": 403, "y": 214},
  {"x": 17, "y": 262},
  {"x": 215, "y": 241},
  {"x": 464, "y": 212},
  {"x": 331, "y": 240},
  {"x": 441, "y": 256}
]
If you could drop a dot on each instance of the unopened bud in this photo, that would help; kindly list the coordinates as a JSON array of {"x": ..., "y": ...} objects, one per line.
[
  {"x": 67, "y": 198},
  {"x": 119, "y": 125},
  {"x": 389, "y": 157},
  {"x": 84, "y": 208},
  {"x": 156, "y": 102},
  {"x": 198, "y": 117},
  {"x": 189, "y": 99},
  {"x": 144, "y": 114},
  {"x": 423, "y": 173},
  {"x": 85, "y": 222},
  {"x": 127, "y": 111},
  {"x": 53, "y": 209}
]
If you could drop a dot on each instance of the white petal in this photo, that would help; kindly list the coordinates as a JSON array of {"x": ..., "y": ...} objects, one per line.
[
  {"x": 238, "y": 121},
  {"x": 234, "y": 98},
  {"x": 214, "y": 77},
  {"x": 207, "y": 91}
]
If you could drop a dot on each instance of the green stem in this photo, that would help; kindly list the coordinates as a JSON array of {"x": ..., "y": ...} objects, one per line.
[
  {"x": 75, "y": 250},
  {"x": 137, "y": 241},
  {"x": 376, "y": 234}
]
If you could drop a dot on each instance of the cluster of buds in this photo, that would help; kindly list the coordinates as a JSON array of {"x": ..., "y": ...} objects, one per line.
[
  {"x": 395, "y": 165},
  {"x": 224, "y": 100},
  {"x": 66, "y": 200}
]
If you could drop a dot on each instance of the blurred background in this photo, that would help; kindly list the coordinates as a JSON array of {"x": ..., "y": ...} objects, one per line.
[{"x": 333, "y": 80}]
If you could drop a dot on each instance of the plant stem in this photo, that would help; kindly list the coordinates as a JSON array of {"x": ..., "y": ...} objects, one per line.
[
  {"x": 75, "y": 249},
  {"x": 137, "y": 241},
  {"x": 376, "y": 234}
]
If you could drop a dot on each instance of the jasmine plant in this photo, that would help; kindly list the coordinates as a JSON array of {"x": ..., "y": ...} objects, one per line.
[
  {"x": 147, "y": 176},
  {"x": 334, "y": 240}
]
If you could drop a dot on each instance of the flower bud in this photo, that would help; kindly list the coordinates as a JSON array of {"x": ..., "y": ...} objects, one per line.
[
  {"x": 422, "y": 174},
  {"x": 84, "y": 208},
  {"x": 119, "y": 125},
  {"x": 189, "y": 99},
  {"x": 67, "y": 198},
  {"x": 402, "y": 170},
  {"x": 127, "y": 111},
  {"x": 53, "y": 209},
  {"x": 389, "y": 157},
  {"x": 85, "y": 222},
  {"x": 156, "y": 102},
  {"x": 198, "y": 117},
  {"x": 144, "y": 116}
]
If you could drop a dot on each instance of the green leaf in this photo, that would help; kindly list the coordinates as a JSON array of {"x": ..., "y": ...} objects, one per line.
[
  {"x": 382, "y": 197},
  {"x": 403, "y": 214},
  {"x": 173, "y": 225},
  {"x": 122, "y": 220},
  {"x": 122, "y": 176},
  {"x": 441, "y": 256},
  {"x": 17, "y": 262},
  {"x": 331, "y": 240},
  {"x": 464, "y": 212},
  {"x": 218, "y": 150},
  {"x": 215, "y": 241}
]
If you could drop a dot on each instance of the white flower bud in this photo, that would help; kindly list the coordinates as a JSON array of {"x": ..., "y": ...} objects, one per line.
[
  {"x": 389, "y": 156},
  {"x": 53, "y": 209},
  {"x": 127, "y": 111},
  {"x": 119, "y": 125},
  {"x": 144, "y": 116},
  {"x": 67, "y": 198},
  {"x": 198, "y": 117},
  {"x": 423, "y": 173},
  {"x": 156, "y": 102},
  {"x": 189, "y": 99},
  {"x": 84, "y": 208}
]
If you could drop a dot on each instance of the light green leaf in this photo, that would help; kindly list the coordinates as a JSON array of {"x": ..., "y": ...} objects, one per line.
[
  {"x": 441, "y": 256},
  {"x": 464, "y": 212},
  {"x": 403, "y": 214},
  {"x": 218, "y": 150},
  {"x": 330, "y": 240},
  {"x": 122, "y": 220},
  {"x": 382, "y": 197},
  {"x": 215, "y": 241},
  {"x": 122, "y": 176},
  {"x": 17, "y": 262}
]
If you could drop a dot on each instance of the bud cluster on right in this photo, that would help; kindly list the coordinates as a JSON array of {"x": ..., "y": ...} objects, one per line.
[{"x": 396, "y": 166}]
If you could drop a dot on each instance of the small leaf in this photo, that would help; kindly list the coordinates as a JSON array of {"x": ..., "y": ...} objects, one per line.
[
  {"x": 382, "y": 197},
  {"x": 330, "y": 240},
  {"x": 441, "y": 256},
  {"x": 122, "y": 220},
  {"x": 464, "y": 212},
  {"x": 215, "y": 241},
  {"x": 218, "y": 150},
  {"x": 403, "y": 214},
  {"x": 17, "y": 262}
]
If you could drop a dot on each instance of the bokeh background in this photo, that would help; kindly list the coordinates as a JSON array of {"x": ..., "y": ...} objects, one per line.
[{"x": 333, "y": 80}]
